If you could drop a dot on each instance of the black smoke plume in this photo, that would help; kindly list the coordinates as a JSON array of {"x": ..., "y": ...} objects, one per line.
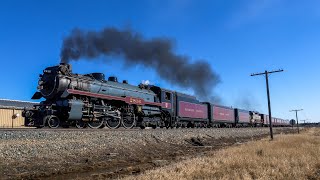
[{"x": 157, "y": 53}]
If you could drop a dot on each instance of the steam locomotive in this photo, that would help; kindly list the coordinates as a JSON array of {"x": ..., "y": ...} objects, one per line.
[{"x": 91, "y": 100}]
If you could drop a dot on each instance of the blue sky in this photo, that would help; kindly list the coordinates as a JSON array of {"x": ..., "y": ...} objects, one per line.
[{"x": 237, "y": 37}]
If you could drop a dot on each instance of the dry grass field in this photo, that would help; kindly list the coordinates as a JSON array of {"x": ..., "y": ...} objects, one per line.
[{"x": 295, "y": 156}]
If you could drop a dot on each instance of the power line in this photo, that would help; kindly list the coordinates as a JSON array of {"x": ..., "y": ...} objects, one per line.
[
  {"x": 304, "y": 121},
  {"x": 304, "y": 114},
  {"x": 296, "y": 110},
  {"x": 266, "y": 73}
]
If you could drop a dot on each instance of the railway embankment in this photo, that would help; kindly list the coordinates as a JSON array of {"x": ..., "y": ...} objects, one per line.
[{"x": 85, "y": 154}]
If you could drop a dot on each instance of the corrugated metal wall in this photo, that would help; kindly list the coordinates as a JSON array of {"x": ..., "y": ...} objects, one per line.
[{"x": 8, "y": 120}]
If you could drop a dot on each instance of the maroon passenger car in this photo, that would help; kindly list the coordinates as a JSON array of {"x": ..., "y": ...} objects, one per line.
[
  {"x": 222, "y": 116},
  {"x": 191, "y": 112}
]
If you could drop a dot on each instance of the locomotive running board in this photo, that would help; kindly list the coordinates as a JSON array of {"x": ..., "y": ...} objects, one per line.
[{"x": 129, "y": 100}]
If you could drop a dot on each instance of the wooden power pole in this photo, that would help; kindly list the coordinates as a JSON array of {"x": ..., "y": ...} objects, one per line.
[
  {"x": 296, "y": 110},
  {"x": 266, "y": 73}
]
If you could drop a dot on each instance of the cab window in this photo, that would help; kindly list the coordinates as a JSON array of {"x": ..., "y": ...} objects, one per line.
[{"x": 167, "y": 96}]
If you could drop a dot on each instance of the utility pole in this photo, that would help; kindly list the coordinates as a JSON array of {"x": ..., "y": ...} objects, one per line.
[
  {"x": 296, "y": 110},
  {"x": 266, "y": 73},
  {"x": 304, "y": 121}
]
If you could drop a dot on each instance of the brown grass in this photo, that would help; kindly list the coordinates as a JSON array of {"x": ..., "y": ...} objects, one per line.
[{"x": 287, "y": 157}]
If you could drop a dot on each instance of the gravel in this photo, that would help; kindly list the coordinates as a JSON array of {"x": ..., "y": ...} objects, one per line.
[{"x": 37, "y": 143}]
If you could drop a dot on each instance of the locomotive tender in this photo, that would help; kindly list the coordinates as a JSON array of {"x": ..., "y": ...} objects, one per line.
[{"x": 91, "y": 100}]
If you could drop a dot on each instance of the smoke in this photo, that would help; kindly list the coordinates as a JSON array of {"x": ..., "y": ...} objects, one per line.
[
  {"x": 156, "y": 53},
  {"x": 247, "y": 101}
]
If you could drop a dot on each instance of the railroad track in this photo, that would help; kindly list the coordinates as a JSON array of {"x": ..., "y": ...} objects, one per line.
[
  {"x": 68, "y": 129},
  {"x": 108, "y": 129}
]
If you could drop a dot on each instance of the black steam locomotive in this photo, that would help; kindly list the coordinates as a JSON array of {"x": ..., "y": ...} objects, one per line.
[{"x": 91, "y": 100}]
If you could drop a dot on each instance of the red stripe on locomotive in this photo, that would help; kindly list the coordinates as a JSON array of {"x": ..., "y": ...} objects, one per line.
[{"x": 129, "y": 100}]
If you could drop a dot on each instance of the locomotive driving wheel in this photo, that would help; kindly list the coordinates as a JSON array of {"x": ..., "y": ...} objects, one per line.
[
  {"x": 53, "y": 121},
  {"x": 112, "y": 122},
  {"x": 95, "y": 124},
  {"x": 128, "y": 121},
  {"x": 81, "y": 124}
]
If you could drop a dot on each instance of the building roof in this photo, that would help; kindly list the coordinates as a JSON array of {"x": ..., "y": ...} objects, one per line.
[{"x": 16, "y": 104}]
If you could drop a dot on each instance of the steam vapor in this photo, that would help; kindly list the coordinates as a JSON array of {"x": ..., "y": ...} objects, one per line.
[{"x": 156, "y": 53}]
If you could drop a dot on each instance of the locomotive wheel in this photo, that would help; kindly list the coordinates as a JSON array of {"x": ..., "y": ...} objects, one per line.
[
  {"x": 166, "y": 119},
  {"x": 53, "y": 121},
  {"x": 95, "y": 124},
  {"x": 103, "y": 125},
  {"x": 81, "y": 124},
  {"x": 142, "y": 127},
  {"x": 179, "y": 125},
  {"x": 167, "y": 125},
  {"x": 112, "y": 122},
  {"x": 128, "y": 121}
]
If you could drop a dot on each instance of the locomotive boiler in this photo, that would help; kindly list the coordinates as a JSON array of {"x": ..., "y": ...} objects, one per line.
[{"x": 91, "y": 100}]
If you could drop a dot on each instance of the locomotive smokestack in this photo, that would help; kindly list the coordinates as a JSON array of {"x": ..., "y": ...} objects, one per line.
[
  {"x": 157, "y": 53},
  {"x": 65, "y": 68}
]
